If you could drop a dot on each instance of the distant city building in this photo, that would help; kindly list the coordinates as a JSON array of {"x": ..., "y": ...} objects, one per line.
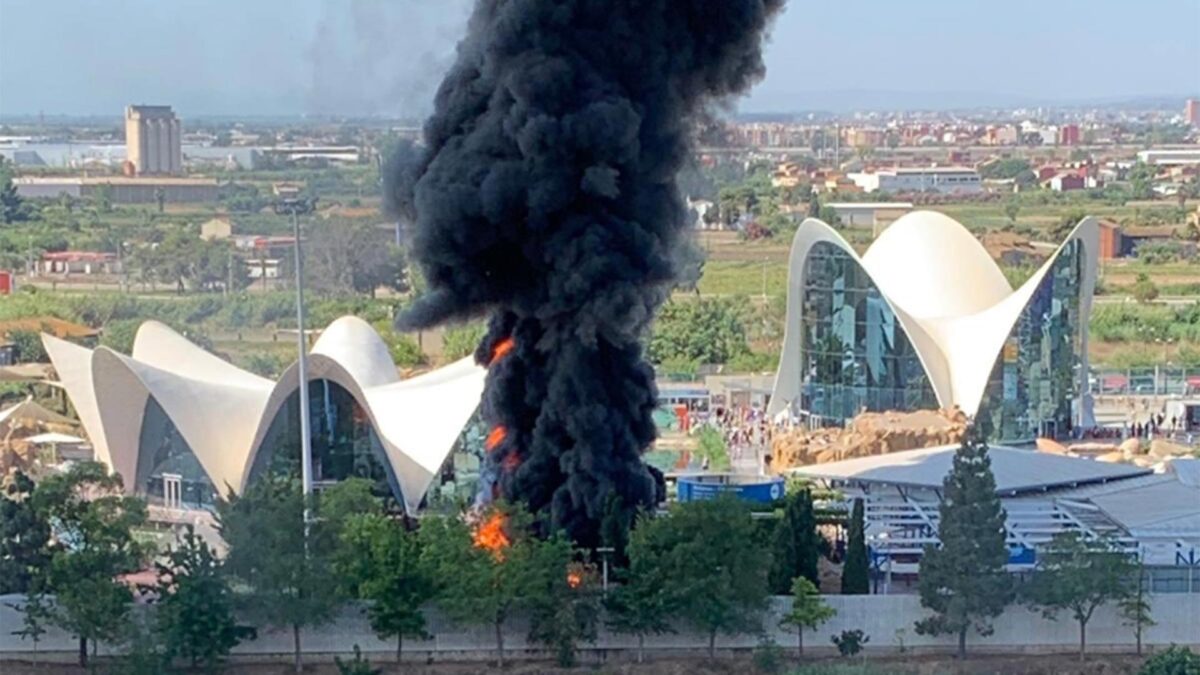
[
  {"x": 1068, "y": 134},
  {"x": 1169, "y": 157},
  {"x": 217, "y": 228},
  {"x": 1067, "y": 181},
  {"x": 332, "y": 154},
  {"x": 153, "y": 140},
  {"x": 1191, "y": 112},
  {"x": 79, "y": 262},
  {"x": 122, "y": 190},
  {"x": 875, "y": 215},
  {"x": 947, "y": 180}
]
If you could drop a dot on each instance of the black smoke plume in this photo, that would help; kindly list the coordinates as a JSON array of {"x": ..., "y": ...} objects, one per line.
[{"x": 546, "y": 196}]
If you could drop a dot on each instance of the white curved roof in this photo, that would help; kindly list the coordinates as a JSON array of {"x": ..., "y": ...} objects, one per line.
[
  {"x": 931, "y": 266},
  {"x": 949, "y": 296},
  {"x": 223, "y": 412}
]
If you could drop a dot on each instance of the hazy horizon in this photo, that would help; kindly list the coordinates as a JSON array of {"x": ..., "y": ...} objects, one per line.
[{"x": 285, "y": 58}]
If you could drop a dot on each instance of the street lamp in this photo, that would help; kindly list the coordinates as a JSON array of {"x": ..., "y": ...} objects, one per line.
[{"x": 294, "y": 207}]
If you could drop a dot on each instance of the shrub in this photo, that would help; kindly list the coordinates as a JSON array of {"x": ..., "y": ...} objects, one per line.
[
  {"x": 28, "y": 346},
  {"x": 359, "y": 665},
  {"x": 1174, "y": 661},
  {"x": 1144, "y": 290},
  {"x": 768, "y": 657},
  {"x": 850, "y": 642}
]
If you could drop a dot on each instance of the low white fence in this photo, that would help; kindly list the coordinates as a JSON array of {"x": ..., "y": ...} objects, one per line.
[{"x": 886, "y": 619}]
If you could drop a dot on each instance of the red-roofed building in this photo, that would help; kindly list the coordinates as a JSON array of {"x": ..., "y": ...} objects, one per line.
[
  {"x": 79, "y": 262},
  {"x": 1067, "y": 181}
]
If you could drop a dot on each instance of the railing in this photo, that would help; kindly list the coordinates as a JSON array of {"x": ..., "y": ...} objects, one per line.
[{"x": 1158, "y": 381}]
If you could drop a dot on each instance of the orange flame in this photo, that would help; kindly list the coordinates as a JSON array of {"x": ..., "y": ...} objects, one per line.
[
  {"x": 495, "y": 437},
  {"x": 574, "y": 579},
  {"x": 502, "y": 348},
  {"x": 490, "y": 535},
  {"x": 511, "y": 462}
]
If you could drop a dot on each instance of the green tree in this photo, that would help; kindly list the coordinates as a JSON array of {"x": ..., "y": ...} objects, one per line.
[
  {"x": 964, "y": 581},
  {"x": 1079, "y": 574},
  {"x": 814, "y": 205},
  {"x": 1011, "y": 208},
  {"x": 560, "y": 598},
  {"x": 348, "y": 498},
  {"x": 24, "y": 537},
  {"x": 708, "y": 557},
  {"x": 796, "y": 546},
  {"x": 195, "y": 610},
  {"x": 1004, "y": 169},
  {"x": 383, "y": 560},
  {"x": 614, "y": 529},
  {"x": 28, "y": 346},
  {"x": 94, "y": 545},
  {"x": 35, "y": 616},
  {"x": 830, "y": 216},
  {"x": 808, "y": 611},
  {"x": 286, "y": 576},
  {"x": 1135, "y": 606},
  {"x": 1145, "y": 291},
  {"x": 481, "y": 575},
  {"x": 856, "y": 568},
  {"x": 708, "y": 331},
  {"x": 1141, "y": 180},
  {"x": 1174, "y": 661},
  {"x": 1065, "y": 225},
  {"x": 354, "y": 256},
  {"x": 102, "y": 198},
  {"x": 710, "y": 446},
  {"x": 462, "y": 341},
  {"x": 12, "y": 208},
  {"x": 645, "y": 600}
]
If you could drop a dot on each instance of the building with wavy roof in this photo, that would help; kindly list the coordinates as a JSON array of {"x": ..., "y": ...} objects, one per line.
[
  {"x": 182, "y": 426},
  {"x": 925, "y": 318}
]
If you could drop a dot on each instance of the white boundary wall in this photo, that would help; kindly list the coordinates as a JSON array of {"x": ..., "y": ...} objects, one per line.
[{"x": 881, "y": 617}]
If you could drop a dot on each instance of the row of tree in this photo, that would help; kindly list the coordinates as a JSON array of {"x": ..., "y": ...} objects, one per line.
[
  {"x": 70, "y": 542},
  {"x": 964, "y": 580}
]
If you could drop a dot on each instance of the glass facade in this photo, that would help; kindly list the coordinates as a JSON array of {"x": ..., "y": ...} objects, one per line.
[
  {"x": 1035, "y": 381},
  {"x": 164, "y": 456},
  {"x": 344, "y": 444},
  {"x": 855, "y": 355}
]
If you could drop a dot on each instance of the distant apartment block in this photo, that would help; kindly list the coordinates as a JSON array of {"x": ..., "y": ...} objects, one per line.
[
  {"x": 153, "y": 140},
  {"x": 120, "y": 189},
  {"x": 1169, "y": 157},
  {"x": 1191, "y": 112},
  {"x": 945, "y": 180},
  {"x": 1068, "y": 134}
]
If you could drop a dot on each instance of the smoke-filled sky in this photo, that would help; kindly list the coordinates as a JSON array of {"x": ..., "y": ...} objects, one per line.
[{"x": 385, "y": 57}]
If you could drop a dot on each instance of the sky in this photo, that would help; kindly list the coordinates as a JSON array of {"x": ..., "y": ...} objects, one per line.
[{"x": 385, "y": 57}]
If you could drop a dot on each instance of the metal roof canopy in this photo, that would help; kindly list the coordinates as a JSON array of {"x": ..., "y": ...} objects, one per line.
[{"x": 1016, "y": 471}]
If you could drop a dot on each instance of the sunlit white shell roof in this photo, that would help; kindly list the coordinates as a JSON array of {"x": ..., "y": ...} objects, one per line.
[
  {"x": 948, "y": 295},
  {"x": 224, "y": 412}
]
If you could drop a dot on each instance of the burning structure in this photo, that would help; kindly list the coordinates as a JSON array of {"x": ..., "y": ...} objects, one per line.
[{"x": 546, "y": 196}]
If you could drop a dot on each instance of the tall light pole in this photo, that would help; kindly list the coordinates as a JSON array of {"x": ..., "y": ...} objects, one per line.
[{"x": 294, "y": 206}]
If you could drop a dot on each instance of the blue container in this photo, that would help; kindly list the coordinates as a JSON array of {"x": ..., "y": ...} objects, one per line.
[{"x": 757, "y": 489}]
